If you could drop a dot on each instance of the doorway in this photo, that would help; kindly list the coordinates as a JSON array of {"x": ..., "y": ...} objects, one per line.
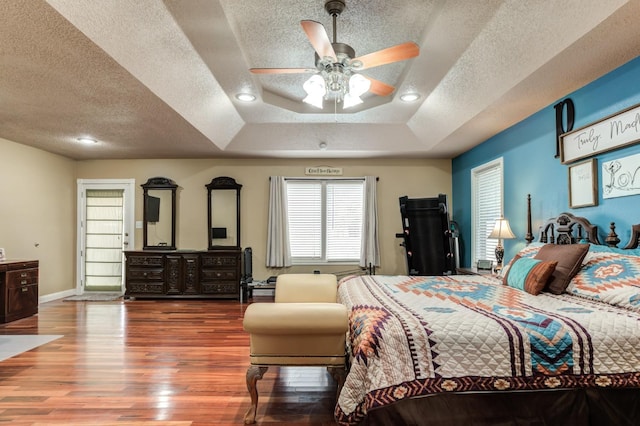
[{"x": 105, "y": 230}]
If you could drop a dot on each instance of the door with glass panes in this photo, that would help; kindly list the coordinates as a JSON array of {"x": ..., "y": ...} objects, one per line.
[{"x": 105, "y": 216}]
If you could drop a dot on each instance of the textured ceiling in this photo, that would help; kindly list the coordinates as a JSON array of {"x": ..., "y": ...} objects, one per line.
[{"x": 151, "y": 79}]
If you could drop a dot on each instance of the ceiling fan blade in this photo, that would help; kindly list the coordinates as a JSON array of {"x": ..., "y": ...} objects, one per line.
[
  {"x": 319, "y": 39},
  {"x": 396, "y": 53},
  {"x": 379, "y": 88},
  {"x": 283, "y": 70}
]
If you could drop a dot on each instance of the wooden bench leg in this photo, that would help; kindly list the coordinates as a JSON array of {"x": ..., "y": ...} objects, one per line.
[{"x": 254, "y": 373}]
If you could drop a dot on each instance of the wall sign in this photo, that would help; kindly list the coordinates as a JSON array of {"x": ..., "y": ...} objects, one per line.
[
  {"x": 612, "y": 132},
  {"x": 621, "y": 177},
  {"x": 323, "y": 171}
]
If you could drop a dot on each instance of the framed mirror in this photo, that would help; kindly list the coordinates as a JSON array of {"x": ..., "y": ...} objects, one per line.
[
  {"x": 159, "y": 214},
  {"x": 223, "y": 205}
]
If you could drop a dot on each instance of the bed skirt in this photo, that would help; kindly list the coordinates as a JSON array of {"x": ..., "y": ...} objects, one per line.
[{"x": 567, "y": 407}]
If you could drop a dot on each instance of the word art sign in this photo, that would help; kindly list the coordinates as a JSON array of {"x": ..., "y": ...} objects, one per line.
[
  {"x": 615, "y": 131},
  {"x": 323, "y": 171}
]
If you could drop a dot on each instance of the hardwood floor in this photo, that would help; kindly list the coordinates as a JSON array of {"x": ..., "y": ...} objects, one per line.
[{"x": 148, "y": 362}]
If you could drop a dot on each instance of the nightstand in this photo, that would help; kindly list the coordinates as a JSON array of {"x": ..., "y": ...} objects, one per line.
[{"x": 473, "y": 271}]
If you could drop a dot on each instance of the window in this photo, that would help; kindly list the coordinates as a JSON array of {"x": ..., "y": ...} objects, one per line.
[
  {"x": 486, "y": 205},
  {"x": 325, "y": 220}
]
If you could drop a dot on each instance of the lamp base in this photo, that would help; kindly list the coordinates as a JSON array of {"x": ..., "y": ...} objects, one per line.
[{"x": 499, "y": 256}]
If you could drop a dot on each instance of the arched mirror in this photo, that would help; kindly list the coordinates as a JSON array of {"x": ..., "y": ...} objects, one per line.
[
  {"x": 159, "y": 214},
  {"x": 223, "y": 201}
]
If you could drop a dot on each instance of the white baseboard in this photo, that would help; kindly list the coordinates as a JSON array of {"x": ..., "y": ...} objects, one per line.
[{"x": 56, "y": 296}]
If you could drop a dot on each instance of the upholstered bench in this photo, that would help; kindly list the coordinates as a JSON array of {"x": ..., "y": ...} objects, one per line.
[{"x": 304, "y": 327}]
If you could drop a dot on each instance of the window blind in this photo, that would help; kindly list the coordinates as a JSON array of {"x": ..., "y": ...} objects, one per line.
[{"x": 304, "y": 204}]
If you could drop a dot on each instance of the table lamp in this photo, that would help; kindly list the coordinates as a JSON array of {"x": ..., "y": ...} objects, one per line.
[{"x": 501, "y": 230}]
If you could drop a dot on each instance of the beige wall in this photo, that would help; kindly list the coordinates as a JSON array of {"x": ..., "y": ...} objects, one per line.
[
  {"x": 38, "y": 212},
  {"x": 38, "y": 208},
  {"x": 414, "y": 178}
]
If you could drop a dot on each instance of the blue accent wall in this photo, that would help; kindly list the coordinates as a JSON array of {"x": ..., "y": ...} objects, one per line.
[{"x": 528, "y": 149}]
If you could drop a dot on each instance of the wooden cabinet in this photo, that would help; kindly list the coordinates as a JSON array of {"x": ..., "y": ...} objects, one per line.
[
  {"x": 183, "y": 274},
  {"x": 19, "y": 288}
]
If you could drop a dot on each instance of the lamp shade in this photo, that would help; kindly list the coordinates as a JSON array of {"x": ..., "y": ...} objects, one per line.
[{"x": 501, "y": 230}]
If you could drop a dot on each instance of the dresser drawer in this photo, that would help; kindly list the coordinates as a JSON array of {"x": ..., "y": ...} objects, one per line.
[
  {"x": 220, "y": 288},
  {"x": 23, "y": 277},
  {"x": 220, "y": 261},
  {"x": 150, "y": 287},
  {"x": 145, "y": 261},
  {"x": 23, "y": 301},
  {"x": 145, "y": 274},
  {"x": 219, "y": 274}
]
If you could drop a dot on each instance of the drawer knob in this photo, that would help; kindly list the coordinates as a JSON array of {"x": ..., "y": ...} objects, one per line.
[
  {"x": 23, "y": 275},
  {"x": 25, "y": 289},
  {"x": 23, "y": 282}
]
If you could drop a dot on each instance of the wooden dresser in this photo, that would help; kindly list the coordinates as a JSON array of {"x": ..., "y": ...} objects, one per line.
[
  {"x": 183, "y": 274},
  {"x": 18, "y": 289}
]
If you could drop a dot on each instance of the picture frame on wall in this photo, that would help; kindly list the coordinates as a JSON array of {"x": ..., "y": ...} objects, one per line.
[
  {"x": 583, "y": 185},
  {"x": 621, "y": 177}
]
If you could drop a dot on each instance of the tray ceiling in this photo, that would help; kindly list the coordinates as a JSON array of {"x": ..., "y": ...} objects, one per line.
[{"x": 151, "y": 79}]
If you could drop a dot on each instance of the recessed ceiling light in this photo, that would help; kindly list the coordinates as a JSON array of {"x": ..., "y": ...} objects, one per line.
[
  {"x": 409, "y": 97},
  {"x": 245, "y": 97},
  {"x": 87, "y": 141}
]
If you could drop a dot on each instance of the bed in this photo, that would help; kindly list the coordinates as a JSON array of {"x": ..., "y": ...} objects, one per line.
[{"x": 472, "y": 350}]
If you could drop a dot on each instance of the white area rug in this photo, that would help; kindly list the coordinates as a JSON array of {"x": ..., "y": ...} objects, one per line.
[
  {"x": 12, "y": 345},
  {"x": 93, "y": 297}
]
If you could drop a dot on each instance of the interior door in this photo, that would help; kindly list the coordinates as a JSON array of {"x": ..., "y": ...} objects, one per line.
[{"x": 105, "y": 230}]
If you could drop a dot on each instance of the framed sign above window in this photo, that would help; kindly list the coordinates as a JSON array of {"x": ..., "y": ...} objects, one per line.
[{"x": 583, "y": 185}]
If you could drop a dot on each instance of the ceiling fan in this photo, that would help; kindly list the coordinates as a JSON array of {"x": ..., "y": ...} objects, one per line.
[{"x": 335, "y": 74}]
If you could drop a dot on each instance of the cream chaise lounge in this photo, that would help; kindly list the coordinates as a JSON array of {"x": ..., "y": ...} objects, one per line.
[{"x": 304, "y": 327}]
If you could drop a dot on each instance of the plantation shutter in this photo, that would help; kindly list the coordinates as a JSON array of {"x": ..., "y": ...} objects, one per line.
[{"x": 487, "y": 202}]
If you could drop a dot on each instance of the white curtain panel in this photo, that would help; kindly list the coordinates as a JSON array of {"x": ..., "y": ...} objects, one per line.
[
  {"x": 278, "y": 250},
  {"x": 370, "y": 251}
]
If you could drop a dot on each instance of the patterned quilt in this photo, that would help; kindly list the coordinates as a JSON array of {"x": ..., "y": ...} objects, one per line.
[{"x": 416, "y": 336}]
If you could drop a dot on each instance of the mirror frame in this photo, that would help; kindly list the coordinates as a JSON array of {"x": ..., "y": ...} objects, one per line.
[
  {"x": 161, "y": 183},
  {"x": 222, "y": 183}
]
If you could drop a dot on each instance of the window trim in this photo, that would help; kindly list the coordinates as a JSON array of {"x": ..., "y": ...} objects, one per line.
[
  {"x": 497, "y": 163},
  {"x": 298, "y": 261}
]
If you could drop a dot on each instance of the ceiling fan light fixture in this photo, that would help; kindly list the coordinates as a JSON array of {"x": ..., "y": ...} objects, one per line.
[
  {"x": 358, "y": 86},
  {"x": 316, "y": 88},
  {"x": 351, "y": 100}
]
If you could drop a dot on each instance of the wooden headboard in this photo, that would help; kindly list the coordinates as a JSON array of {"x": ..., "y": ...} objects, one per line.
[{"x": 569, "y": 229}]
